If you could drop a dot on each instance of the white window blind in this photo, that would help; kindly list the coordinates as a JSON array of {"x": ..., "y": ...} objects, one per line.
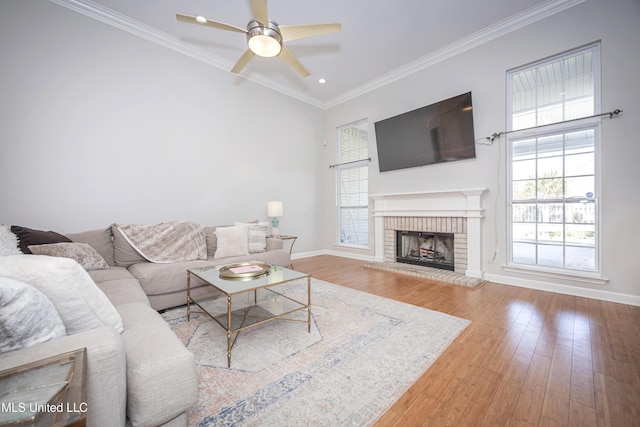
[{"x": 353, "y": 185}]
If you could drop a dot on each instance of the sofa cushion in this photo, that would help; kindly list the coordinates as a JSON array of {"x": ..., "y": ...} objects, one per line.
[
  {"x": 124, "y": 291},
  {"x": 232, "y": 241},
  {"x": 79, "y": 302},
  {"x": 8, "y": 242},
  {"x": 119, "y": 285},
  {"x": 28, "y": 236},
  {"x": 27, "y": 316},
  {"x": 82, "y": 253},
  {"x": 161, "y": 374},
  {"x": 100, "y": 240},
  {"x": 124, "y": 255},
  {"x": 112, "y": 273},
  {"x": 158, "y": 279}
]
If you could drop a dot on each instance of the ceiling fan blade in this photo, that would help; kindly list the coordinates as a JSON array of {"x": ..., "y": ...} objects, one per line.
[
  {"x": 294, "y": 32},
  {"x": 260, "y": 14},
  {"x": 242, "y": 62},
  {"x": 292, "y": 61},
  {"x": 209, "y": 23}
]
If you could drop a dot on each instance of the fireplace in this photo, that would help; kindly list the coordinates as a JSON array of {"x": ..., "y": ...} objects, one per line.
[
  {"x": 427, "y": 249},
  {"x": 458, "y": 212}
]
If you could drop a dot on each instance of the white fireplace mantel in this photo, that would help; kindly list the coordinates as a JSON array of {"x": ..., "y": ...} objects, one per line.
[
  {"x": 454, "y": 203},
  {"x": 465, "y": 203}
]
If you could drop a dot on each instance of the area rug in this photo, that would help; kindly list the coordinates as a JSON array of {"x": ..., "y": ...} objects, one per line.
[{"x": 362, "y": 354}]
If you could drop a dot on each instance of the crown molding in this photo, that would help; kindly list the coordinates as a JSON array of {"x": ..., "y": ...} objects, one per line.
[
  {"x": 506, "y": 26},
  {"x": 501, "y": 28}
]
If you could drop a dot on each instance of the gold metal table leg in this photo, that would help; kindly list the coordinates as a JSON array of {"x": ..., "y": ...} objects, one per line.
[
  {"x": 188, "y": 295},
  {"x": 228, "y": 331},
  {"x": 309, "y": 304}
]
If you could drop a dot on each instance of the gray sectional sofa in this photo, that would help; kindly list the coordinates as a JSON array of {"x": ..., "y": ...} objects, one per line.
[
  {"x": 164, "y": 284},
  {"x": 143, "y": 376}
]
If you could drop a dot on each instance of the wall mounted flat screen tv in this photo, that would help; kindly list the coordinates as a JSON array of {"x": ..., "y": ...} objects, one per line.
[{"x": 441, "y": 132}]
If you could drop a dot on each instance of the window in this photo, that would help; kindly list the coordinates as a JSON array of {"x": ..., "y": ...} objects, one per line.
[
  {"x": 353, "y": 185},
  {"x": 553, "y": 168}
]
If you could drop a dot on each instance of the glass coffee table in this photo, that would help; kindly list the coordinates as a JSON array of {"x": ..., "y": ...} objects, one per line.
[{"x": 252, "y": 295}]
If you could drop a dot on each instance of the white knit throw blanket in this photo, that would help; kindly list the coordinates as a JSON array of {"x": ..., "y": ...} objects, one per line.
[{"x": 167, "y": 242}]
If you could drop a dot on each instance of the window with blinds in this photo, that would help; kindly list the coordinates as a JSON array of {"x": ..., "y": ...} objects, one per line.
[{"x": 353, "y": 185}]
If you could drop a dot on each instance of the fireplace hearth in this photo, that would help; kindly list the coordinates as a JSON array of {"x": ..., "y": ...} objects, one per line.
[
  {"x": 427, "y": 249},
  {"x": 458, "y": 212}
]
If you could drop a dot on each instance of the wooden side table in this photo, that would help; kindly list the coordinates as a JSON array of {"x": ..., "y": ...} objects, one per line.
[{"x": 48, "y": 392}]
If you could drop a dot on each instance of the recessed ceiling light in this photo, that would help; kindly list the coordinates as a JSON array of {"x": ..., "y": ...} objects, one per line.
[
  {"x": 322, "y": 81},
  {"x": 201, "y": 19}
]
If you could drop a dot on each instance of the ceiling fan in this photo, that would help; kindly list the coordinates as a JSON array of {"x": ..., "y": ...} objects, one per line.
[{"x": 265, "y": 37}]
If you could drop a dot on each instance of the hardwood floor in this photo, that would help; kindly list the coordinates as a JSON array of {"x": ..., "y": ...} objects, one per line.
[{"x": 529, "y": 358}]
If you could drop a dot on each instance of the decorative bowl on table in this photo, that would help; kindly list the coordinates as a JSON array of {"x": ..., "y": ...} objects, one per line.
[{"x": 244, "y": 270}]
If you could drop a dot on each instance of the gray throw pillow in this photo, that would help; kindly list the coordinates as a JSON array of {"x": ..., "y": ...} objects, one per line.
[
  {"x": 256, "y": 236},
  {"x": 82, "y": 253}
]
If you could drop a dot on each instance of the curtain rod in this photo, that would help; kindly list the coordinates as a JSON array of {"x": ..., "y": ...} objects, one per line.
[
  {"x": 348, "y": 163},
  {"x": 499, "y": 134}
]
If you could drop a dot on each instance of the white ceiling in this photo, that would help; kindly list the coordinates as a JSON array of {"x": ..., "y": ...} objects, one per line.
[{"x": 380, "y": 41}]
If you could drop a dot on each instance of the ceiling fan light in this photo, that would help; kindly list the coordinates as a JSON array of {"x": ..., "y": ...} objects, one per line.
[
  {"x": 264, "y": 40},
  {"x": 265, "y": 46},
  {"x": 201, "y": 19}
]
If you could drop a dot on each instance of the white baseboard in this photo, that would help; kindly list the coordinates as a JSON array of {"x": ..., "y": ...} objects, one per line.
[
  {"x": 351, "y": 255},
  {"x": 513, "y": 281},
  {"x": 307, "y": 254},
  {"x": 565, "y": 289}
]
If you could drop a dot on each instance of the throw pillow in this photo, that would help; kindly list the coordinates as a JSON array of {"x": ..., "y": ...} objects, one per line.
[
  {"x": 101, "y": 240},
  {"x": 28, "y": 236},
  {"x": 80, "y": 303},
  {"x": 212, "y": 242},
  {"x": 231, "y": 241},
  {"x": 8, "y": 242},
  {"x": 27, "y": 316},
  {"x": 83, "y": 253},
  {"x": 256, "y": 235}
]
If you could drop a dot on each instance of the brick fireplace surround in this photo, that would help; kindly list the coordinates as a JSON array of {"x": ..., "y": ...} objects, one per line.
[{"x": 450, "y": 211}]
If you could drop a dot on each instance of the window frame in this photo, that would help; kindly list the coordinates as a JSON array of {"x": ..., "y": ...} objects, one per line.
[
  {"x": 559, "y": 128},
  {"x": 345, "y": 166}
]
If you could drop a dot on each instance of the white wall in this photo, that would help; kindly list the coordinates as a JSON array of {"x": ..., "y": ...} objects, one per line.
[
  {"x": 100, "y": 126},
  {"x": 482, "y": 70}
]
